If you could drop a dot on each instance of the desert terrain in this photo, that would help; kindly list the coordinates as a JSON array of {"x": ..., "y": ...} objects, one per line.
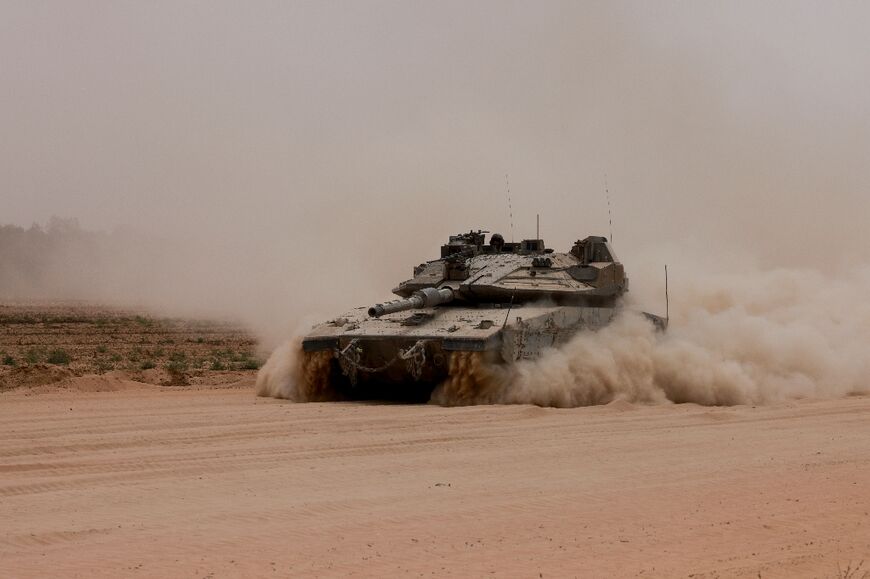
[
  {"x": 158, "y": 481},
  {"x": 108, "y": 474}
]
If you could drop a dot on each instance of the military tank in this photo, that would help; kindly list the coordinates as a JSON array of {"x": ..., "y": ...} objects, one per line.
[{"x": 479, "y": 303}]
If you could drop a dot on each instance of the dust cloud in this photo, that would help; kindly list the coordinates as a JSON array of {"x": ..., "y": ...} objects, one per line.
[
  {"x": 751, "y": 339},
  {"x": 291, "y": 375},
  {"x": 748, "y": 339}
]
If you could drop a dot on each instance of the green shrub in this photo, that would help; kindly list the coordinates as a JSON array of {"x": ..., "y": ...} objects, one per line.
[
  {"x": 177, "y": 363},
  {"x": 58, "y": 357},
  {"x": 8, "y": 360},
  {"x": 248, "y": 364},
  {"x": 101, "y": 349},
  {"x": 33, "y": 356},
  {"x": 177, "y": 367},
  {"x": 217, "y": 365},
  {"x": 148, "y": 365},
  {"x": 104, "y": 366}
]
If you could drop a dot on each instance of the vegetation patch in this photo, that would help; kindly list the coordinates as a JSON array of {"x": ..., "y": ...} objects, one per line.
[
  {"x": 33, "y": 356},
  {"x": 248, "y": 364},
  {"x": 58, "y": 357},
  {"x": 86, "y": 339},
  {"x": 178, "y": 363}
]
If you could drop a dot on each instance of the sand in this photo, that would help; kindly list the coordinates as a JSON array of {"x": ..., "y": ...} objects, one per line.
[{"x": 150, "y": 481}]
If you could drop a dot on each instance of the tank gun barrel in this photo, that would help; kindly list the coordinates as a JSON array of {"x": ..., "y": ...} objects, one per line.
[{"x": 424, "y": 298}]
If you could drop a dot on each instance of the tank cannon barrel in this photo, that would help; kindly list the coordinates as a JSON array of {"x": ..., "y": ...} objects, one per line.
[{"x": 424, "y": 298}]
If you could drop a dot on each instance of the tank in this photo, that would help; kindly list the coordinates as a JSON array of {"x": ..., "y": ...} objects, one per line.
[{"x": 493, "y": 303}]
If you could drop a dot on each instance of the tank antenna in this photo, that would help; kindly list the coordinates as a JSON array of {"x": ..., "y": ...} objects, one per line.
[
  {"x": 609, "y": 215},
  {"x": 667, "y": 301},
  {"x": 510, "y": 208},
  {"x": 538, "y": 226},
  {"x": 510, "y": 305}
]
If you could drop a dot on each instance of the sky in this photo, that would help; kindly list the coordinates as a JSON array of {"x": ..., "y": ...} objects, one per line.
[{"x": 302, "y": 157}]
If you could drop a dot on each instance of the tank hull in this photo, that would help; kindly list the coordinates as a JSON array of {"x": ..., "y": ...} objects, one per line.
[{"x": 404, "y": 356}]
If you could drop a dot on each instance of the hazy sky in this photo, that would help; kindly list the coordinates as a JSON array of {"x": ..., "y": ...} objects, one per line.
[{"x": 305, "y": 142}]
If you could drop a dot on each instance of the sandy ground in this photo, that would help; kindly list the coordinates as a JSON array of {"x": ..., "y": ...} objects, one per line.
[{"x": 149, "y": 481}]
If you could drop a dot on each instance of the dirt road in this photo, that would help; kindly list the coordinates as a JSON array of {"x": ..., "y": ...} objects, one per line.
[{"x": 157, "y": 482}]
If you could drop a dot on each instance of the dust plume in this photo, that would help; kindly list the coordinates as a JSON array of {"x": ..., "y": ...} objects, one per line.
[
  {"x": 292, "y": 375},
  {"x": 753, "y": 338},
  {"x": 749, "y": 339}
]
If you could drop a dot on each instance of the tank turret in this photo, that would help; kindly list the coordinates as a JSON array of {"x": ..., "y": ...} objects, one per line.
[{"x": 521, "y": 272}]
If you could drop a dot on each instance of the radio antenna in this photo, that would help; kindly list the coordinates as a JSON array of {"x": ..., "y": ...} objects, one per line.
[
  {"x": 538, "y": 226},
  {"x": 609, "y": 215},
  {"x": 667, "y": 303},
  {"x": 510, "y": 208}
]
